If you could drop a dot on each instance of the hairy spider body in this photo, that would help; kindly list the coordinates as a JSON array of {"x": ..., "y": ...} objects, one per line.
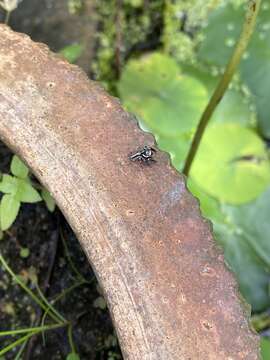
[{"x": 144, "y": 155}]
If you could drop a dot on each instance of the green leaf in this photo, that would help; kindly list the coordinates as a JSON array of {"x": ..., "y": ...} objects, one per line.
[
  {"x": 243, "y": 231},
  {"x": 177, "y": 147},
  {"x": 18, "y": 168},
  {"x": 234, "y": 108},
  {"x": 100, "y": 303},
  {"x": 250, "y": 270},
  {"x": 49, "y": 200},
  {"x": 166, "y": 101},
  {"x": 265, "y": 348},
  {"x": 235, "y": 105},
  {"x": 72, "y": 52},
  {"x": 209, "y": 206},
  {"x": 9, "y": 208},
  {"x": 9, "y": 184},
  {"x": 255, "y": 71},
  {"x": 24, "y": 253},
  {"x": 73, "y": 356},
  {"x": 253, "y": 219},
  {"x": 26, "y": 192},
  {"x": 231, "y": 164},
  {"x": 222, "y": 32}
]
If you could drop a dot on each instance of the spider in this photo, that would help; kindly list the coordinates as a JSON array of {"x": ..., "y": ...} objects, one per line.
[{"x": 144, "y": 155}]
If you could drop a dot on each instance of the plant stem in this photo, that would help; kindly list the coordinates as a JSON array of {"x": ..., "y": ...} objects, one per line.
[
  {"x": 7, "y": 17},
  {"x": 20, "y": 352},
  {"x": 16, "y": 343},
  {"x": 50, "y": 307},
  {"x": 70, "y": 338},
  {"x": 32, "y": 329},
  {"x": 61, "y": 295},
  {"x": 247, "y": 30},
  {"x": 29, "y": 292}
]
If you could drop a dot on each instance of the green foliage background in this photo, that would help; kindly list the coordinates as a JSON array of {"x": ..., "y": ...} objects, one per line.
[{"x": 168, "y": 89}]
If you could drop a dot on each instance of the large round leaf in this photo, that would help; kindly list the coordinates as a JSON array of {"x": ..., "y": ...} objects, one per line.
[
  {"x": 235, "y": 106},
  {"x": 209, "y": 206},
  {"x": 243, "y": 231},
  {"x": 255, "y": 71},
  {"x": 247, "y": 247},
  {"x": 177, "y": 147},
  {"x": 251, "y": 272},
  {"x": 168, "y": 102},
  {"x": 222, "y": 32},
  {"x": 231, "y": 164},
  {"x": 265, "y": 348}
]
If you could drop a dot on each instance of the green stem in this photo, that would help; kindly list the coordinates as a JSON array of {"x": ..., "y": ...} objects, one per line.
[
  {"x": 16, "y": 343},
  {"x": 26, "y": 337},
  {"x": 61, "y": 295},
  {"x": 32, "y": 329},
  {"x": 247, "y": 30},
  {"x": 70, "y": 338},
  {"x": 20, "y": 352},
  {"x": 7, "y": 17},
  {"x": 49, "y": 306},
  {"x": 26, "y": 289}
]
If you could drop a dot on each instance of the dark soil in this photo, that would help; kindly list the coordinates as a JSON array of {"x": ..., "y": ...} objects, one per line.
[
  {"x": 44, "y": 235},
  {"x": 47, "y": 235}
]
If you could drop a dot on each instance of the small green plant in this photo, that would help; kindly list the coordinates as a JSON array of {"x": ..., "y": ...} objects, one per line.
[
  {"x": 18, "y": 188},
  {"x": 52, "y": 319},
  {"x": 56, "y": 319}
]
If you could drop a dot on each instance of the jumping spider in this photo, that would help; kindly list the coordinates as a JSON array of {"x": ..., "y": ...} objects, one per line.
[{"x": 144, "y": 155}]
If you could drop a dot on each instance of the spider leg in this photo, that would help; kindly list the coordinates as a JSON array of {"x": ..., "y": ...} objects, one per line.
[{"x": 135, "y": 156}]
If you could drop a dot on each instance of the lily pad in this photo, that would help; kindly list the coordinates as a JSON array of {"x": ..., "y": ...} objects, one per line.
[
  {"x": 251, "y": 272},
  {"x": 235, "y": 106},
  {"x": 209, "y": 206},
  {"x": 222, "y": 33},
  {"x": 168, "y": 102},
  {"x": 176, "y": 147},
  {"x": 243, "y": 231},
  {"x": 247, "y": 247},
  {"x": 265, "y": 348},
  {"x": 231, "y": 164}
]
